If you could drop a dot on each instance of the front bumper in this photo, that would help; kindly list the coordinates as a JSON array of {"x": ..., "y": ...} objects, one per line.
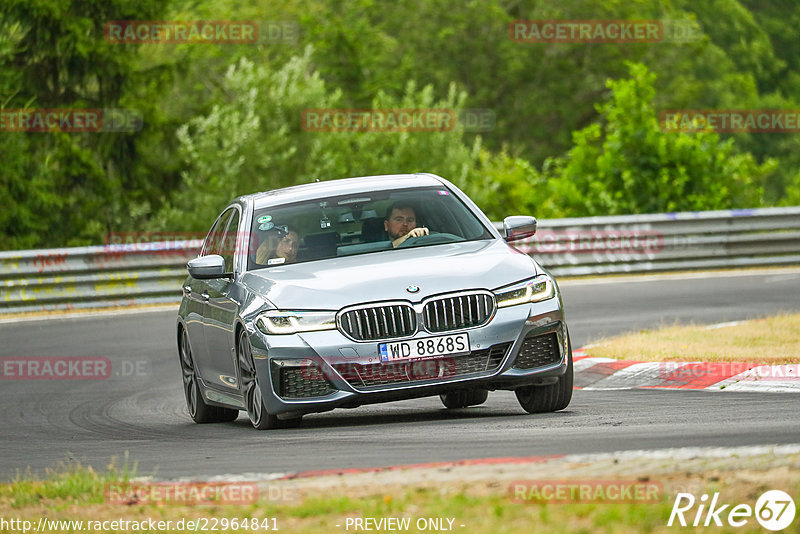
[{"x": 319, "y": 371}]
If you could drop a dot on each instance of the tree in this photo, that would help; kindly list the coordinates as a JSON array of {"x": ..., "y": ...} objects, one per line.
[
  {"x": 627, "y": 164},
  {"x": 53, "y": 55},
  {"x": 253, "y": 140}
]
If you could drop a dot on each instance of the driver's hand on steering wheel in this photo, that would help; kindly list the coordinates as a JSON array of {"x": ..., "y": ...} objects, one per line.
[{"x": 416, "y": 232}]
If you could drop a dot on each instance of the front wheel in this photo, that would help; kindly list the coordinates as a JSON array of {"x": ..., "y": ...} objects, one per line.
[
  {"x": 199, "y": 411},
  {"x": 540, "y": 399},
  {"x": 260, "y": 418}
]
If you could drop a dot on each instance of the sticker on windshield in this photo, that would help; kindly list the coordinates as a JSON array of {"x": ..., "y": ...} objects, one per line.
[
  {"x": 276, "y": 261},
  {"x": 266, "y": 226},
  {"x": 443, "y": 193},
  {"x": 265, "y": 218}
]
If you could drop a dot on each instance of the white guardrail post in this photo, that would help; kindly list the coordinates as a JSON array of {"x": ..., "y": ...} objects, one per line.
[{"x": 143, "y": 273}]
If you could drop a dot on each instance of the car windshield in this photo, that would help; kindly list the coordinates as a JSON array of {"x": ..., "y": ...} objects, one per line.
[{"x": 360, "y": 223}]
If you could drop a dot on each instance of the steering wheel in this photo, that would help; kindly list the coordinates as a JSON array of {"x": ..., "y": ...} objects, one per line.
[{"x": 430, "y": 239}]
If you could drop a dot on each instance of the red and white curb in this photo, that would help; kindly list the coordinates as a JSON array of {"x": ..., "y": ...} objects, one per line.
[{"x": 609, "y": 374}]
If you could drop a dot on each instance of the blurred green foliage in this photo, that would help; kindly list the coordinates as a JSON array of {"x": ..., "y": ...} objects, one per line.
[
  {"x": 625, "y": 163},
  {"x": 576, "y": 128},
  {"x": 253, "y": 140}
]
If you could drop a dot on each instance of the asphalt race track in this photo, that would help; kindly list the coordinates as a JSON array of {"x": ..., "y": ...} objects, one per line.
[{"x": 140, "y": 408}]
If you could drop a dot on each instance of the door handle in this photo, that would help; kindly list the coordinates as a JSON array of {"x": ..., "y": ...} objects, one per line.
[
  {"x": 187, "y": 290},
  {"x": 205, "y": 296}
]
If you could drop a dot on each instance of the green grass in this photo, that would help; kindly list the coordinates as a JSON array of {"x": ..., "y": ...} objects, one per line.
[
  {"x": 68, "y": 483},
  {"x": 770, "y": 340},
  {"x": 77, "y": 493}
]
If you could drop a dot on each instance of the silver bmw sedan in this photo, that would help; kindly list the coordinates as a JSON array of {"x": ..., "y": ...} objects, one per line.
[{"x": 365, "y": 290}]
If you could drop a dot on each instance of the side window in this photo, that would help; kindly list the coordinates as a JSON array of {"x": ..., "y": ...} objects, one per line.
[
  {"x": 214, "y": 238},
  {"x": 228, "y": 248}
]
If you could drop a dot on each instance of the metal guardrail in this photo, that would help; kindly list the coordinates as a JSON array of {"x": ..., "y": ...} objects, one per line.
[
  {"x": 122, "y": 275},
  {"x": 93, "y": 277},
  {"x": 668, "y": 242}
]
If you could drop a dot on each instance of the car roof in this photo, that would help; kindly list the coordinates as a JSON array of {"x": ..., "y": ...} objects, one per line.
[{"x": 346, "y": 186}]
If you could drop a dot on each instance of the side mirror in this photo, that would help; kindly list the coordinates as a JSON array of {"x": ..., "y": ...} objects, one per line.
[
  {"x": 519, "y": 227},
  {"x": 207, "y": 267}
]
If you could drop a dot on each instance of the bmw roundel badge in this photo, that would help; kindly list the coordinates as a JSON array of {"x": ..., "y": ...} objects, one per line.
[{"x": 413, "y": 289}]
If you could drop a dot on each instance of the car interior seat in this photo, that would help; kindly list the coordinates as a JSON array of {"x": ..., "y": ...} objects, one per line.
[
  {"x": 318, "y": 246},
  {"x": 372, "y": 230}
]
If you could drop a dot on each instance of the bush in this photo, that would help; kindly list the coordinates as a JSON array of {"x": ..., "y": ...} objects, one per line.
[{"x": 627, "y": 164}]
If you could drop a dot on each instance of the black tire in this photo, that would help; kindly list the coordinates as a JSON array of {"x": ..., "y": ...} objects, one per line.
[
  {"x": 259, "y": 417},
  {"x": 464, "y": 398},
  {"x": 541, "y": 399},
  {"x": 199, "y": 411}
]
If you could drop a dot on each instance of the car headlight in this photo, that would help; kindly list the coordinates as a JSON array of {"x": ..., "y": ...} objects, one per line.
[
  {"x": 291, "y": 322},
  {"x": 533, "y": 290}
]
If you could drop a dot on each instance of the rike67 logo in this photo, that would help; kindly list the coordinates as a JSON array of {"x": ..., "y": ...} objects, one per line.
[{"x": 774, "y": 510}]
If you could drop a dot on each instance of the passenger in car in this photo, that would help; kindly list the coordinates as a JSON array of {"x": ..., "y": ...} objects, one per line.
[
  {"x": 401, "y": 223},
  {"x": 279, "y": 246}
]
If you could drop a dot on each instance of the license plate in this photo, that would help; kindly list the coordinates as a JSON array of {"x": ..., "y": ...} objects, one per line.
[{"x": 427, "y": 347}]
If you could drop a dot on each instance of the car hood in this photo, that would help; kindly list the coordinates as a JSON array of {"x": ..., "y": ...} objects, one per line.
[{"x": 338, "y": 282}]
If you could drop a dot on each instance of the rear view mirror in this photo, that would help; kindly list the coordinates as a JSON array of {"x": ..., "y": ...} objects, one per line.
[
  {"x": 519, "y": 227},
  {"x": 207, "y": 267}
]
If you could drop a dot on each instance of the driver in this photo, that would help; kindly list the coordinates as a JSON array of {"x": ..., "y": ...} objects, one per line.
[{"x": 401, "y": 223}]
